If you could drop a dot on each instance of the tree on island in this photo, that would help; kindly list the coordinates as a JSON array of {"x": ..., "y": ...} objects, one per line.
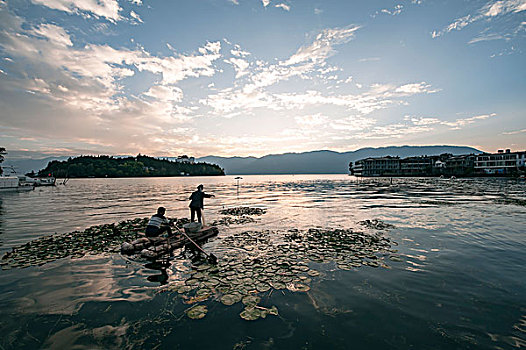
[{"x": 139, "y": 166}]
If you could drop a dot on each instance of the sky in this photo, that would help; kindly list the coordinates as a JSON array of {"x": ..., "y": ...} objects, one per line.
[{"x": 255, "y": 77}]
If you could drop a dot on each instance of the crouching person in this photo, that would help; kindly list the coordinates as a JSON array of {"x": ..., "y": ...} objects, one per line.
[{"x": 158, "y": 225}]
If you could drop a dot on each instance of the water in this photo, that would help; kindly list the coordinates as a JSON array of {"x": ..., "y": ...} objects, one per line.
[{"x": 461, "y": 284}]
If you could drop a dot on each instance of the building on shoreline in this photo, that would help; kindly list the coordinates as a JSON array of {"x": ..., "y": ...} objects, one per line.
[{"x": 501, "y": 163}]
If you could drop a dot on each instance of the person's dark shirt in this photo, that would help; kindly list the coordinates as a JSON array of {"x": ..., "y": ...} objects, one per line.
[{"x": 197, "y": 199}]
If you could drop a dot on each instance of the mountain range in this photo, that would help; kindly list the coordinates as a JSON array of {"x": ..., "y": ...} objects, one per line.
[
  {"x": 315, "y": 162},
  {"x": 322, "y": 162}
]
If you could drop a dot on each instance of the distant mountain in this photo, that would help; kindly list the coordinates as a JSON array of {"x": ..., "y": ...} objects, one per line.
[
  {"x": 322, "y": 162},
  {"x": 25, "y": 165},
  {"x": 316, "y": 162}
]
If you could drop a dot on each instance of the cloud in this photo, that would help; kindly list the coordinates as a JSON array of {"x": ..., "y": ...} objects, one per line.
[
  {"x": 238, "y": 52},
  {"x": 240, "y": 66},
  {"x": 283, "y": 6},
  {"x": 457, "y": 124},
  {"x": 487, "y": 37},
  {"x": 136, "y": 17},
  {"x": 78, "y": 91},
  {"x": 393, "y": 131},
  {"x": 454, "y": 125},
  {"x": 165, "y": 93},
  {"x": 318, "y": 11},
  {"x": 396, "y": 10},
  {"x": 265, "y": 2},
  {"x": 369, "y": 59},
  {"x": 305, "y": 61},
  {"x": 53, "y": 33},
  {"x": 108, "y": 9},
  {"x": 515, "y": 132},
  {"x": 489, "y": 11},
  {"x": 322, "y": 47},
  {"x": 312, "y": 120}
]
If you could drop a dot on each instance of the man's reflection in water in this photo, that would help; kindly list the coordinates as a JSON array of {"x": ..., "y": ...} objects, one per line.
[
  {"x": 161, "y": 266},
  {"x": 189, "y": 252}
]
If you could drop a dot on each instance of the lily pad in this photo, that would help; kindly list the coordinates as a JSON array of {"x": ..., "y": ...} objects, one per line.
[
  {"x": 250, "y": 313},
  {"x": 196, "y": 312},
  {"x": 298, "y": 287},
  {"x": 231, "y": 299},
  {"x": 251, "y": 300}
]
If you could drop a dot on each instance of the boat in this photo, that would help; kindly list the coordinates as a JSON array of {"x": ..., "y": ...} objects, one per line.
[
  {"x": 39, "y": 181},
  {"x": 12, "y": 183},
  {"x": 156, "y": 247}
]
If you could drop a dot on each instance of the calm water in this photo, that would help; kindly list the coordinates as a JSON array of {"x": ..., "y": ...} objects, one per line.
[{"x": 462, "y": 284}]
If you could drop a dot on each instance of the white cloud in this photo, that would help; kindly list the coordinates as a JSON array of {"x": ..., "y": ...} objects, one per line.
[
  {"x": 393, "y": 131},
  {"x": 165, "y": 93},
  {"x": 54, "y": 34},
  {"x": 283, "y": 6},
  {"x": 393, "y": 12},
  {"x": 457, "y": 124},
  {"x": 369, "y": 59},
  {"x": 454, "y": 125},
  {"x": 515, "y": 132},
  {"x": 318, "y": 11},
  {"x": 238, "y": 52},
  {"x": 322, "y": 46},
  {"x": 136, "y": 16},
  {"x": 240, "y": 66},
  {"x": 265, "y": 2},
  {"x": 312, "y": 120},
  {"x": 108, "y": 9},
  {"x": 487, "y": 37},
  {"x": 491, "y": 10},
  {"x": 78, "y": 90}
]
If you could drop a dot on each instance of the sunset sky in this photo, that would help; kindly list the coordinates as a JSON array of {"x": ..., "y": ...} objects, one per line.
[{"x": 253, "y": 77}]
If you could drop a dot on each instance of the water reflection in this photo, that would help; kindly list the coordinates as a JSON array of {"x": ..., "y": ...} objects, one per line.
[
  {"x": 462, "y": 243},
  {"x": 160, "y": 266}
]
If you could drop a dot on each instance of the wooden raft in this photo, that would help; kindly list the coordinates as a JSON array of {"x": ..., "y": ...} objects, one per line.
[{"x": 155, "y": 247}]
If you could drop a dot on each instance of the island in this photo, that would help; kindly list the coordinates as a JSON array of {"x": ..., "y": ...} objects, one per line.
[{"x": 139, "y": 166}]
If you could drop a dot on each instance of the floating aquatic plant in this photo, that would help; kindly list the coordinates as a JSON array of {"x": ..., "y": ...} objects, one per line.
[{"x": 239, "y": 211}]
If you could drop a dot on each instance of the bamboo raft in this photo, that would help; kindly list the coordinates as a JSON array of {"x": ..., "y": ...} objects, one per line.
[{"x": 155, "y": 247}]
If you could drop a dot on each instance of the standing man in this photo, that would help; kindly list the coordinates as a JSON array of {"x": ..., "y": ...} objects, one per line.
[{"x": 196, "y": 204}]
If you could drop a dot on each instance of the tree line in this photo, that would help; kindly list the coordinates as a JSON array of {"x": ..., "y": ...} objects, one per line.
[{"x": 139, "y": 166}]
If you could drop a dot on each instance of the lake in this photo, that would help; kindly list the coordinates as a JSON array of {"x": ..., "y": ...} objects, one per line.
[{"x": 460, "y": 284}]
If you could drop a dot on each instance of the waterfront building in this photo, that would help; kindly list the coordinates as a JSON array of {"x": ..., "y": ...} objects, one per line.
[
  {"x": 383, "y": 166},
  {"x": 416, "y": 166},
  {"x": 500, "y": 163},
  {"x": 462, "y": 165}
]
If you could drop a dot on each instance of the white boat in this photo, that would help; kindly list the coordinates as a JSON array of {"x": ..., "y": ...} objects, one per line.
[
  {"x": 12, "y": 183},
  {"x": 38, "y": 181}
]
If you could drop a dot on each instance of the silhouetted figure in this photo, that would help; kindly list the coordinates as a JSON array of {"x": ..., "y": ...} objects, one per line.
[{"x": 197, "y": 203}]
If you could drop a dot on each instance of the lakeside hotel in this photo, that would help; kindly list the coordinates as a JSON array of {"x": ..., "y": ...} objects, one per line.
[{"x": 500, "y": 163}]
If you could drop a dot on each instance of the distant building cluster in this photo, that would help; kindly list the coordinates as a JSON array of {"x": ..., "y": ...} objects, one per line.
[
  {"x": 181, "y": 159},
  {"x": 504, "y": 163}
]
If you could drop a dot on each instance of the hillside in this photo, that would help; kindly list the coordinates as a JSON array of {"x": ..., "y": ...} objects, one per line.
[
  {"x": 140, "y": 166},
  {"x": 322, "y": 162}
]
